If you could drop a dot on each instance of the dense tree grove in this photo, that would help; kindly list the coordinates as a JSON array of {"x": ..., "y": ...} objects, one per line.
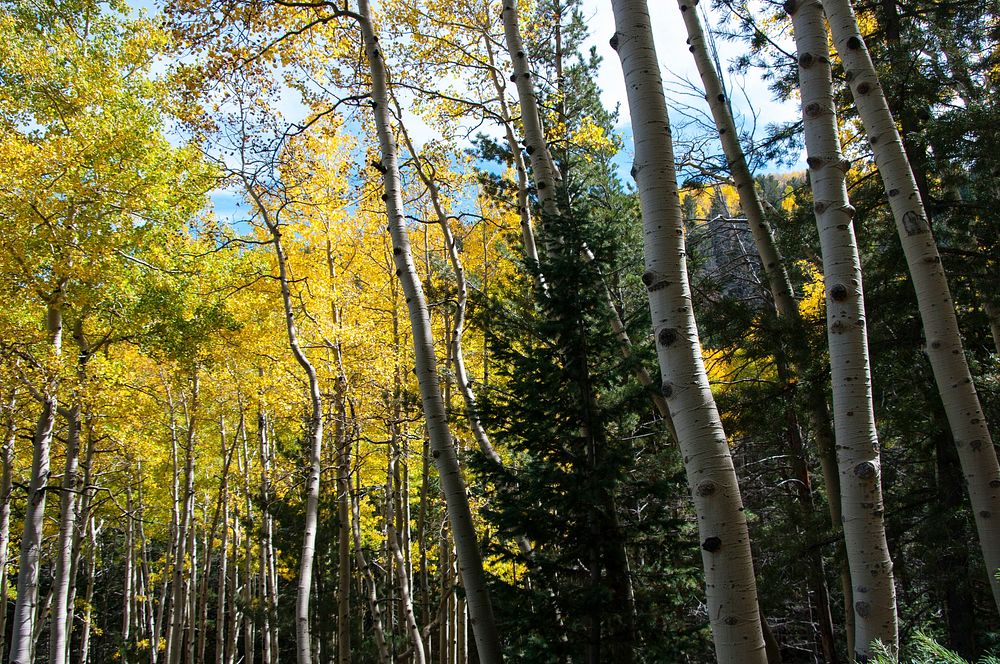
[{"x": 344, "y": 332}]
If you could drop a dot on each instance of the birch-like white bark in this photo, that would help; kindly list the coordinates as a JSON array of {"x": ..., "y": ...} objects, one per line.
[
  {"x": 442, "y": 446},
  {"x": 25, "y": 609},
  {"x": 780, "y": 286},
  {"x": 62, "y": 609},
  {"x": 303, "y": 639},
  {"x": 725, "y": 542},
  {"x": 6, "y": 484},
  {"x": 853, "y": 410},
  {"x": 944, "y": 348}
]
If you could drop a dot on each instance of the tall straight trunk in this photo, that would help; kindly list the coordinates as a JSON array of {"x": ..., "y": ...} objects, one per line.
[
  {"x": 729, "y": 575},
  {"x": 194, "y": 625},
  {"x": 853, "y": 411},
  {"x": 269, "y": 589},
  {"x": 523, "y": 208},
  {"x": 249, "y": 625},
  {"x": 179, "y": 604},
  {"x": 220, "y": 604},
  {"x": 937, "y": 310},
  {"x": 93, "y": 530},
  {"x": 369, "y": 581},
  {"x": 233, "y": 626},
  {"x": 452, "y": 483},
  {"x": 342, "y": 464},
  {"x": 25, "y": 609},
  {"x": 128, "y": 592},
  {"x": 221, "y": 596},
  {"x": 151, "y": 626},
  {"x": 62, "y": 610},
  {"x": 303, "y": 639},
  {"x": 6, "y": 484},
  {"x": 83, "y": 514},
  {"x": 403, "y": 579},
  {"x": 779, "y": 285}
]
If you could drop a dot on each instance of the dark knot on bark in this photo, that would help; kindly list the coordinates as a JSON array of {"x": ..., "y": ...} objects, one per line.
[{"x": 712, "y": 544}]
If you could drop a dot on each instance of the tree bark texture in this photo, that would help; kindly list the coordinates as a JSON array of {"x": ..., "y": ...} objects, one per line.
[
  {"x": 853, "y": 410},
  {"x": 729, "y": 576},
  {"x": 443, "y": 449},
  {"x": 937, "y": 309}
]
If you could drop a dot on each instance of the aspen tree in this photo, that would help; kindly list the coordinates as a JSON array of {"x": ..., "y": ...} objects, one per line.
[
  {"x": 6, "y": 483},
  {"x": 303, "y": 639},
  {"x": 853, "y": 411},
  {"x": 780, "y": 288},
  {"x": 725, "y": 541},
  {"x": 26, "y": 607},
  {"x": 443, "y": 448},
  {"x": 62, "y": 608},
  {"x": 944, "y": 349}
]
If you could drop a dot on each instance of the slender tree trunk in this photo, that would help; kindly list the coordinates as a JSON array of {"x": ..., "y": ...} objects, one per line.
[
  {"x": 6, "y": 484},
  {"x": 26, "y": 607},
  {"x": 937, "y": 310},
  {"x": 729, "y": 575},
  {"x": 182, "y": 549},
  {"x": 854, "y": 416},
  {"x": 369, "y": 579},
  {"x": 303, "y": 638},
  {"x": 403, "y": 580},
  {"x": 268, "y": 576},
  {"x": 62, "y": 610},
  {"x": 342, "y": 464},
  {"x": 93, "y": 531},
  {"x": 452, "y": 483}
]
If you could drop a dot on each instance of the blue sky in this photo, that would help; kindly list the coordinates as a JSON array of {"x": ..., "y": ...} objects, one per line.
[{"x": 677, "y": 66}]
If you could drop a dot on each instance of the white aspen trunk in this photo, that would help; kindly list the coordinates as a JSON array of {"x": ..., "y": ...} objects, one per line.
[
  {"x": 193, "y": 625},
  {"x": 369, "y": 579},
  {"x": 249, "y": 625},
  {"x": 779, "y": 285},
  {"x": 268, "y": 578},
  {"x": 853, "y": 411},
  {"x": 403, "y": 579},
  {"x": 546, "y": 174},
  {"x": 6, "y": 484},
  {"x": 993, "y": 314},
  {"x": 62, "y": 610},
  {"x": 93, "y": 531},
  {"x": 944, "y": 348},
  {"x": 128, "y": 592},
  {"x": 83, "y": 515},
  {"x": 303, "y": 637},
  {"x": 220, "y": 605},
  {"x": 523, "y": 208},
  {"x": 729, "y": 576},
  {"x": 25, "y": 609},
  {"x": 452, "y": 483},
  {"x": 181, "y": 579},
  {"x": 342, "y": 463},
  {"x": 232, "y": 633}
]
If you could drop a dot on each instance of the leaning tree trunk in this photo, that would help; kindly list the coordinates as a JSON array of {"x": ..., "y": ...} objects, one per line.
[
  {"x": 937, "y": 310},
  {"x": 853, "y": 411},
  {"x": 303, "y": 639},
  {"x": 446, "y": 459},
  {"x": 729, "y": 575},
  {"x": 25, "y": 609},
  {"x": 782, "y": 295}
]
